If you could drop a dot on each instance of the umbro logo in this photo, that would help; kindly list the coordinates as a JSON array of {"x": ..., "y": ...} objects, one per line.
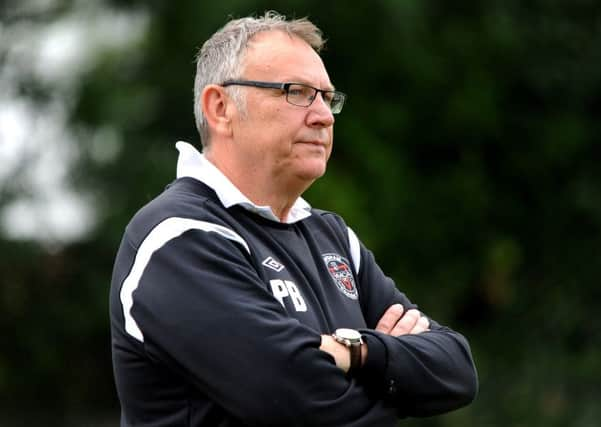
[{"x": 269, "y": 262}]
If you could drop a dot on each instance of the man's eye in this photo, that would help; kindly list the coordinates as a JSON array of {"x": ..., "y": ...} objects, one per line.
[{"x": 295, "y": 91}]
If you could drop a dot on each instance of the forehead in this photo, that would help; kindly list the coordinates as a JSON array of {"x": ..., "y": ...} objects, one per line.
[{"x": 279, "y": 56}]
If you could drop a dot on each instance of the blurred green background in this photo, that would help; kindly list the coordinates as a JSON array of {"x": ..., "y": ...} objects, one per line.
[{"x": 467, "y": 158}]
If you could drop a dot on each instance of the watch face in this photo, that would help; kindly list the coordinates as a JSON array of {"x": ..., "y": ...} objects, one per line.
[{"x": 349, "y": 334}]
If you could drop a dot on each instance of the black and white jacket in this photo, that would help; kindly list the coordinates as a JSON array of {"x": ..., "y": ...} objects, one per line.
[{"x": 217, "y": 310}]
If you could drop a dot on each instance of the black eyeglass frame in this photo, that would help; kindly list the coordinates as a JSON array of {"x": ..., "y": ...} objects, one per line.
[{"x": 286, "y": 88}]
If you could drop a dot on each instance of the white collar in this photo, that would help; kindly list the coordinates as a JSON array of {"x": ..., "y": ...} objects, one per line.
[{"x": 191, "y": 163}]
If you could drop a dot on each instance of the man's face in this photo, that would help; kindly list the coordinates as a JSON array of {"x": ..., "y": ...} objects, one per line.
[{"x": 289, "y": 143}]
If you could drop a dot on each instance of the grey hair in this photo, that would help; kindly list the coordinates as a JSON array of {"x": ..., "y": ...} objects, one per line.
[{"x": 221, "y": 56}]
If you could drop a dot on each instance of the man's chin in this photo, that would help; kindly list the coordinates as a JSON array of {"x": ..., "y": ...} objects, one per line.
[{"x": 313, "y": 172}]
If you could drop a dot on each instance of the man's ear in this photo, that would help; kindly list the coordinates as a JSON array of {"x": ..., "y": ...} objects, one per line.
[{"x": 216, "y": 106}]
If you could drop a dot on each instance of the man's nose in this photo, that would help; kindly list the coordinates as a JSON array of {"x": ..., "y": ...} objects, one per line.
[{"x": 320, "y": 113}]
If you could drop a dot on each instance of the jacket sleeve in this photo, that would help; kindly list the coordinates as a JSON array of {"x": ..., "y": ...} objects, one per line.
[
  {"x": 422, "y": 374},
  {"x": 202, "y": 311}
]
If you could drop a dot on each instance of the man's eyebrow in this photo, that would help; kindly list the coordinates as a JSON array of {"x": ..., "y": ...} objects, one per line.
[{"x": 308, "y": 83}]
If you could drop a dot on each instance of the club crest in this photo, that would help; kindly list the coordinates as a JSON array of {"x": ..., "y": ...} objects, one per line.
[{"x": 340, "y": 270}]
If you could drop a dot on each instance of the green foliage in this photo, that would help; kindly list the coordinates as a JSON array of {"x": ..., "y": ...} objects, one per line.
[{"x": 466, "y": 158}]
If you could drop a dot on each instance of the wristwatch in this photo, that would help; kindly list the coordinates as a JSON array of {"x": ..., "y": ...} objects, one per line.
[{"x": 352, "y": 339}]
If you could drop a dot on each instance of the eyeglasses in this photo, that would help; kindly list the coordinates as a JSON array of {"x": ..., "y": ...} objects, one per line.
[{"x": 298, "y": 94}]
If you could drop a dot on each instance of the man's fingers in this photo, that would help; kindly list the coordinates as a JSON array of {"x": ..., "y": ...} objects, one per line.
[
  {"x": 396, "y": 322},
  {"x": 406, "y": 324},
  {"x": 422, "y": 325},
  {"x": 390, "y": 318}
]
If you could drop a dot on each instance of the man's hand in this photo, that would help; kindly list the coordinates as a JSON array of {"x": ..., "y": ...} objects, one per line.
[
  {"x": 394, "y": 323},
  {"x": 340, "y": 352}
]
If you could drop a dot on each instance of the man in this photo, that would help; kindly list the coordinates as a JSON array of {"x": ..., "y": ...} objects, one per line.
[{"x": 233, "y": 302}]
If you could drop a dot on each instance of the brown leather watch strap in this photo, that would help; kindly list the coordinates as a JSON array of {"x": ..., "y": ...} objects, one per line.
[
  {"x": 355, "y": 350},
  {"x": 351, "y": 338}
]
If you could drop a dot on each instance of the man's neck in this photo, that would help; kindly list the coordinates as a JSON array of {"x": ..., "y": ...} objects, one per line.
[{"x": 260, "y": 189}]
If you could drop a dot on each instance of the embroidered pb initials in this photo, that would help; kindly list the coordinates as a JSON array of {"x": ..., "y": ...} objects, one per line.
[{"x": 285, "y": 288}]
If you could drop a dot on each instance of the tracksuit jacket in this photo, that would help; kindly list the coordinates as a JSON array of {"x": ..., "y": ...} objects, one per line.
[{"x": 217, "y": 309}]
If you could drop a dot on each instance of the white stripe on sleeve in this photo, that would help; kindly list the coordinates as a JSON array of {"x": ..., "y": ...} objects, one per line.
[
  {"x": 355, "y": 249},
  {"x": 165, "y": 231}
]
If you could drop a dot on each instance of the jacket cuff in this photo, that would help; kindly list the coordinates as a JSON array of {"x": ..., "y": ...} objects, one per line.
[{"x": 373, "y": 371}]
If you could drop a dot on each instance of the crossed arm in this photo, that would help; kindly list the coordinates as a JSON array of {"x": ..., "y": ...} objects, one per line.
[
  {"x": 394, "y": 322},
  {"x": 408, "y": 372}
]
